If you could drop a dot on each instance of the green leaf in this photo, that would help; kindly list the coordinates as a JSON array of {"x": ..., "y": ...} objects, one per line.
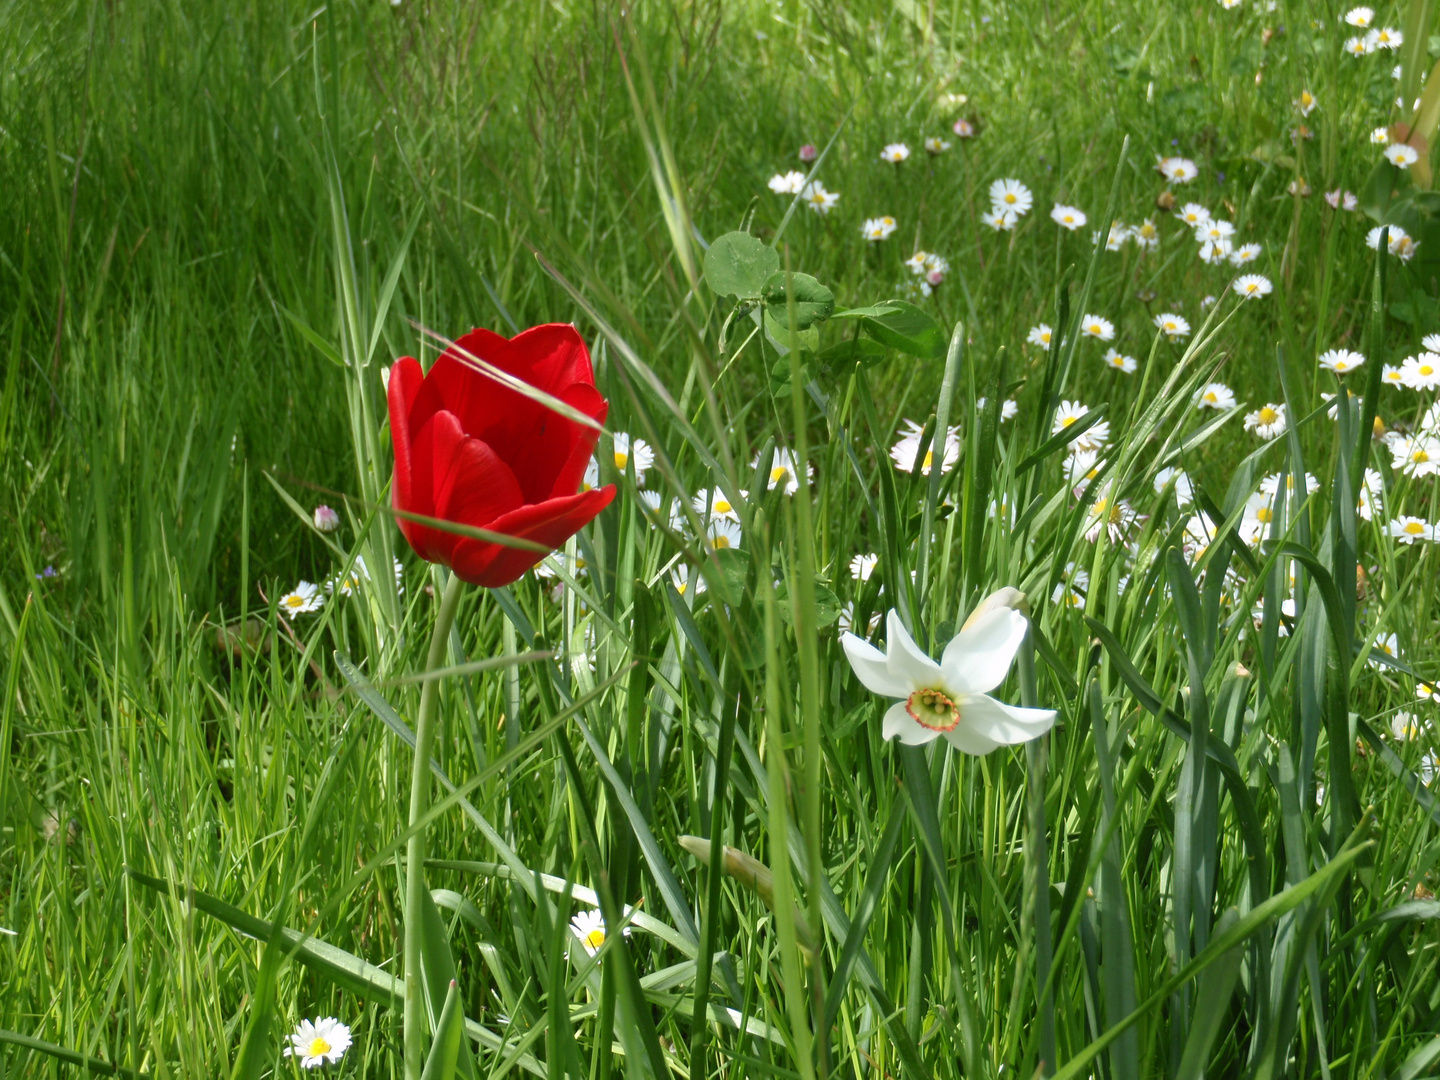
[
  {"x": 848, "y": 353},
  {"x": 903, "y": 327},
  {"x": 738, "y": 264},
  {"x": 779, "y": 331},
  {"x": 90, "y": 1065},
  {"x": 445, "y": 1050},
  {"x": 827, "y": 605},
  {"x": 813, "y": 301},
  {"x": 437, "y": 967},
  {"x": 1212, "y": 1002}
]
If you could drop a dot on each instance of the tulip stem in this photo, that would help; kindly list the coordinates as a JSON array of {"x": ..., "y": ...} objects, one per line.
[{"x": 416, "y": 1025}]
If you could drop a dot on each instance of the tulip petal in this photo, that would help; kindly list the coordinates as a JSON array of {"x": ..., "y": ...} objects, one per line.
[
  {"x": 550, "y": 523},
  {"x": 472, "y": 485},
  {"x": 871, "y": 668},
  {"x": 1004, "y": 724},
  {"x": 899, "y": 724},
  {"x": 405, "y": 380},
  {"x": 907, "y": 663},
  {"x": 535, "y": 441},
  {"x": 979, "y": 657}
]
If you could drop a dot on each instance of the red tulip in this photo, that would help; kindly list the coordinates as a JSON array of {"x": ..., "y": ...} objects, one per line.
[{"x": 473, "y": 451}]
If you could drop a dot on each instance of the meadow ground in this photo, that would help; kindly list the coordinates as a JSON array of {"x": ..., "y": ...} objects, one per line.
[{"x": 222, "y": 224}]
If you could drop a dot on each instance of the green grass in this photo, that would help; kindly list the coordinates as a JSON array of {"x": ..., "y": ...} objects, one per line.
[{"x": 190, "y": 188}]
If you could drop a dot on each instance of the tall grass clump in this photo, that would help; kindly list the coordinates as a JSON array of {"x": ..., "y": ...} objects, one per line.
[{"x": 999, "y": 637}]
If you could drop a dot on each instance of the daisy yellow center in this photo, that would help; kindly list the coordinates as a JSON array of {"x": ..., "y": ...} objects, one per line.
[
  {"x": 1211, "y": 396},
  {"x": 1427, "y": 369},
  {"x": 1117, "y": 361},
  {"x": 682, "y": 587},
  {"x": 1268, "y": 415},
  {"x": 319, "y": 1047},
  {"x": 1045, "y": 338},
  {"x": 621, "y": 459},
  {"x": 294, "y": 601},
  {"x": 1419, "y": 456},
  {"x": 932, "y": 709},
  {"x": 1414, "y": 528},
  {"x": 722, "y": 541},
  {"x": 1264, "y": 515},
  {"x": 595, "y": 938},
  {"x": 1010, "y": 197},
  {"x": 720, "y": 506},
  {"x": 1094, "y": 328},
  {"x": 929, "y": 460},
  {"x": 778, "y": 473},
  {"x": 1067, "y": 219},
  {"x": 1250, "y": 286}
]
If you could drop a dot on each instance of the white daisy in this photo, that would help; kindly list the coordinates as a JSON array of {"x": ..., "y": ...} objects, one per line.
[
  {"x": 936, "y": 145},
  {"x": 1068, "y": 217},
  {"x": 878, "y": 228},
  {"x": 1401, "y": 155},
  {"x": 1358, "y": 46},
  {"x": 1391, "y": 375},
  {"x": 1380, "y": 136},
  {"x": 862, "y": 566},
  {"x": 1214, "y": 251},
  {"x": 1008, "y": 408},
  {"x": 1115, "y": 359},
  {"x": 1431, "y": 343},
  {"x": 1011, "y": 195},
  {"x": 723, "y": 533},
  {"x": 1406, "y": 727},
  {"x": 1360, "y": 17},
  {"x": 1000, "y": 219},
  {"x": 716, "y": 504},
  {"x": 302, "y": 601},
  {"x": 1341, "y": 361},
  {"x": 681, "y": 577},
  {"x": 1081, "y": 466},
  {"x": 1108, "y": 516},
  {"x": 895, "y": 153},
  {"x": 1421, "y": 372},
  {"x": 1094, "y": 438},
  {"x": 1253, "y": 286},
  {"x": 1419, "y": 456},
  {"x": 1215, "y": 396},
  {"x": 640, "y": 451},
  {"x": 1193, "y": 215},
  {"x": 1386, "y": 37},
  {"x": 1407, "y": 530},
  {"x": 905, "y": 452},
  {"x": 1039, "y": 335},
  {"x": 1177, "y": 170},
  {"x": 1097, "y": 327},
  {"x": 1245, "y": 253},
  {"x": 589, "y": 929},
  {"x": 1267, "y": 421},
  {"x": 1146, "y": 235},
  {"x": 1371, "y": 498},
  {"x": 1171, "y": 325},
  {"x": 1184, "y": 490},
  {"x": 1214, "y": 229},
  {"x": 784, "y": 471},
  {"x": 1305, "y": 102},
  {"x": 1427, "y": 692},
  {"x": 318, "y": 1042},
  {"x": 790, "y": 183},
  {"x": 818, "y": 199},
  {"x": 591, "y": 479}
]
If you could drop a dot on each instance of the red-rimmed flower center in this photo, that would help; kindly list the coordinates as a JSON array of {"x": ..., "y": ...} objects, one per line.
[{"x": 932, "y": 709}]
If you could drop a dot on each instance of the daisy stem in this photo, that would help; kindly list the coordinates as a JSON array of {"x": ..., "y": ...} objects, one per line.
[{"x": 415, "y": 1020}]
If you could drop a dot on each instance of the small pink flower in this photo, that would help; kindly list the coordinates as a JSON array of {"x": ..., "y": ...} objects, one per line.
[
  {"x": 964, "y": 128},
  {"x": 808, "y": 152},
  {"x": 326, "y": 520},
  {"x": 935, "y": 277}
]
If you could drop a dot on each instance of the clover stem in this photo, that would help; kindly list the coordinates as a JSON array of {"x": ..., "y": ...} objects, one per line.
[{"x": 416, "y": 1026}]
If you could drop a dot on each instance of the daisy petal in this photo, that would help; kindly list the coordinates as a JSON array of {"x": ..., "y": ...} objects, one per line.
[
  {"x": 899, "y": 724},
  {"x": 871, "y": 668},
  {"x": 979, "y": 657}
]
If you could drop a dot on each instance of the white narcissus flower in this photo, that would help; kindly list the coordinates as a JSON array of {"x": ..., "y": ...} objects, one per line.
[
  {"x": 318, "y": 1042},
  {"x": 950, "y": 698}
]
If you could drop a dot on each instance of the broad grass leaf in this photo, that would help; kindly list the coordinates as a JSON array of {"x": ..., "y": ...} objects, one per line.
[{"x": 445, "y": 1050}]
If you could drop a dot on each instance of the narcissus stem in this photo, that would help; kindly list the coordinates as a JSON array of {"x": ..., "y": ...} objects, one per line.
[{"x": 416, "y": 1026}]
